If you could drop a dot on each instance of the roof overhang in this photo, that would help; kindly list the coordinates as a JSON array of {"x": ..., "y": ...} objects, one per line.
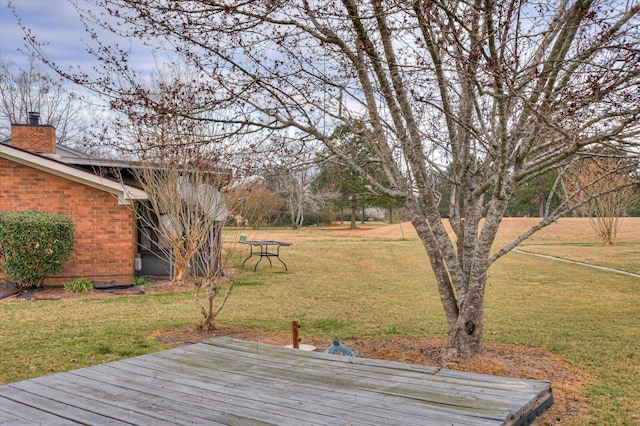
[{"x": 126, "y": 194}]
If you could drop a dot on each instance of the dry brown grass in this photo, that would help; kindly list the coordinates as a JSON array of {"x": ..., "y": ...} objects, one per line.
[{"x": 567, "y": 230}]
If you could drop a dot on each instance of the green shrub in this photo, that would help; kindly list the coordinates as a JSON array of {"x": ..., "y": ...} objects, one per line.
[
  {"x": 33, "y": 245},
  {"x": 80, "y": 285}
]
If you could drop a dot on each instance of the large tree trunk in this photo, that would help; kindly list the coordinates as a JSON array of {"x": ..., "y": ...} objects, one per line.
[
  {"x": 354, "y": 207},
  {"x": 465, "y": 335},
  {"x": 460, "y": 270},
  {"x": 295, "y": 219}
]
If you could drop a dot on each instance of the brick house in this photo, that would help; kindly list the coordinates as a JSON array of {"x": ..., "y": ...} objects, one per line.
[{"x": 34, "y": 177}]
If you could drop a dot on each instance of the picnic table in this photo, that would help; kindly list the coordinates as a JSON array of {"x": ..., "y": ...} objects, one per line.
[{"x": 264, "y": 249}]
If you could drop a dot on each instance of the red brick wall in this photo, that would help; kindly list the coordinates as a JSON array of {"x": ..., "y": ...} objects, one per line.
[
  {"x": 32, "y": 138},
  {"x": 105, "y": 232}
]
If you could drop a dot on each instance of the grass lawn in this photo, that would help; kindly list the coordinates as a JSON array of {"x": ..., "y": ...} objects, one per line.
[{"x": 374, "y": 283}]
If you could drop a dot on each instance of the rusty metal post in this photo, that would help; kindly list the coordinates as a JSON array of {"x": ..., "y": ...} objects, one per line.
[{"x": 295, "y": 326}]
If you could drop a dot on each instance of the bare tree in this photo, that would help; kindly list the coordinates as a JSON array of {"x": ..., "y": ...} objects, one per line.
[
  {"x": 609, "y": 190},
  {"x": 483, "y": 95},
  {"x": 256, "y": 204},
  {"x": 292, "y": 186},
  {"x": 181, "y": 166},
  {"x": 186, "y": 212},
  {"x": 288, "y": 170},
  {"x": 32, "y": 90}
]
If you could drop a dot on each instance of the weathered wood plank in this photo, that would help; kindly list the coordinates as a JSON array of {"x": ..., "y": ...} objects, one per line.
[
  {"x": 202, "y": 360},
  {"x": 226, "y": 381},
  {"x": 12, "y": 412},
  {"x": 342, "y": 403},
  {"x": 397, "y": 367},
  {"x": 23, "y": 393},
  {"x": 308, "y": 376},
  {"x": 525, "y": 396},
  {"x": 124, "y": 404},
  {"x": 410, "y": 381},
  {"x": 202, "y": 395},
  {"x": 279, "y": 393}
]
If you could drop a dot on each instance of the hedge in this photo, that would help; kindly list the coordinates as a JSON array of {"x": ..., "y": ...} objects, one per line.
[{"x": 33, "y": 245}]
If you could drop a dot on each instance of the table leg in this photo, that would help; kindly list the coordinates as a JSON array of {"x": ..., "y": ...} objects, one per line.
[
  {"x": 258, "y": 262},
  {"x": 281, "y": 261},
  {"x": 248, "y": 257},
  {"x": 285, "y": 265}
]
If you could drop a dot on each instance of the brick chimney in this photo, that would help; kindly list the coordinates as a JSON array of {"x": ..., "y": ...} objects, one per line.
[{"x": 34, "y": 137}]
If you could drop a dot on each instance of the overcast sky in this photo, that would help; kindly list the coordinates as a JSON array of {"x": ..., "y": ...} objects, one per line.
[
  {"x": 53, "y": 21},
  {"x": 56, "y": 23}
]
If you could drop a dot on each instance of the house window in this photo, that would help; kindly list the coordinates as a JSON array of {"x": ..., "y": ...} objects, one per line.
[
  {"x": 146, "y": 241},
  {"x": 148, "y": 238}
]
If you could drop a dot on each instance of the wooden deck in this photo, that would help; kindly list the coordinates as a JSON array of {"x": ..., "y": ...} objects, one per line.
[{"x": 234, "y": 382}]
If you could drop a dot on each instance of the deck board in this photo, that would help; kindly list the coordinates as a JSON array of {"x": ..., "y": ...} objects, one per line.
[
  {"x": 340, "y": 402},
  {"x": 234, "y": 382},
  {"x": 307, "y": 367},
  {"x": 315, "y": 379}
]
